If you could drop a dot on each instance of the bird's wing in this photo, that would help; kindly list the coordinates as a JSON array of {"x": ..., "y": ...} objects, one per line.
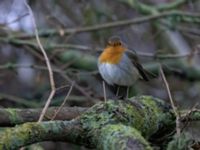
[{"x": 146, "y": 75}]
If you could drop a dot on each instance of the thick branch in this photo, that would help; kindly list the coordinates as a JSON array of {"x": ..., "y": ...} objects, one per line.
[
  {"x": 29, "y": 133},
  {"x": 108, "y": 125},
  {"x": 119, "y": 136},
  {"x": 13, "y": 116}
]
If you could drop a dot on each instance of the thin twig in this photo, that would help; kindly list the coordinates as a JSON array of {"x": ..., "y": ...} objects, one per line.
[
  {"x": 55, "y": 70},
  {"x": 115, "y": 24},
  {"x": 62, "y": 105},
  {"x": 187, "y": 115},
  {"x": 18, "y": 100},
  {"x": 97, "y": 49},
  {"x": 61, "y": 87},
  {"x": 66, "y": 77},
  {"x": 53, "y": 89},
  {"x": 164, "y": 56},
  {"x": 16, "y": 19},
  {"x": 178, "y": 128},
  {"x": 171, "y": 5}
]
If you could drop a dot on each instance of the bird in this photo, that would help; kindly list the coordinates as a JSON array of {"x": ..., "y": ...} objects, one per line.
[{"x": 117, "y": 68}]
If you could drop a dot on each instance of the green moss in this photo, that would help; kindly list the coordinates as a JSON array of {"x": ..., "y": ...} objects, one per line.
[
  {"x": 110, "y": 123},
  {"x": 29, "y": 133},
  {"x": 112, "y": 112},
  {"x": 130, "y": 114},
  {"x": 17, "y": 137},
  {"x": 151, "y": 121},
  {"x": 152, "y": 112},
  {"x": 142, "y": 113},
  {"x": 13, "y": 116},
  {"x": 119, "y": 136},
  {"x": 92, "y": 118},
  {"x": 162, "y": 112},
  {"x": 181, "y": 143},
  {"x": 151, "y": 102},
  {"x": 195, "y": 115},
  {"x": 145, "y": 114},
  {"x": 125, "y": 113}
]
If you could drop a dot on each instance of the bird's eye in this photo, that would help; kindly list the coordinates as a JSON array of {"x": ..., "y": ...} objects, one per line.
[
  {"x": 109, "y": 43},
  {"x": 118, "y": 43}
]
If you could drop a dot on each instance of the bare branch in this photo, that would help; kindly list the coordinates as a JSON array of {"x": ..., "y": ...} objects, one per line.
[
  {"x": 62, "y": 105},
  {"x": 115, "y": 24},
  {"x": 53, "y": 89},
  {"x": 178, "y": 128},
  {"x": 14, "y": 116}
]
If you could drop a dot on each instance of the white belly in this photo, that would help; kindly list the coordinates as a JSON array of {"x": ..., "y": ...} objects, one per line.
[{"x": 123, "y": 74}]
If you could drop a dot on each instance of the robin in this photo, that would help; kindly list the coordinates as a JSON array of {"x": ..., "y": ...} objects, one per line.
[{"x": 116, "y": 68}]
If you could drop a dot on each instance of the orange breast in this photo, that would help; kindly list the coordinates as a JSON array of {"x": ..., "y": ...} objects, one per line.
[{"x": 112, "y": 55}]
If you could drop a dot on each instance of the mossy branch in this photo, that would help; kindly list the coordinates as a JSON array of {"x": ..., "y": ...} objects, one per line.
[
  {"x": 108, "y": 125},
  {"x": 28, "y": 133},
  {"x": 14, "y": 116}
]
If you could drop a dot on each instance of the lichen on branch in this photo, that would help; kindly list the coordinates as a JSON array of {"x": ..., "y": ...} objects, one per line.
[{"x": 106, "y": 125}]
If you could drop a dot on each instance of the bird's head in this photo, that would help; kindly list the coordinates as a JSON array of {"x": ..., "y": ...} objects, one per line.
[
  {"x": 113, "y": 51},
  {"x": 115, "y": 45}
]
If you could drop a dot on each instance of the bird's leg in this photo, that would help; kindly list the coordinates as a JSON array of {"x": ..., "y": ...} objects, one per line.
[
  {"x": 117, "y": 93},
  {"x": 127, "y": 92},
  {"x": 104, "y": 91}
]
